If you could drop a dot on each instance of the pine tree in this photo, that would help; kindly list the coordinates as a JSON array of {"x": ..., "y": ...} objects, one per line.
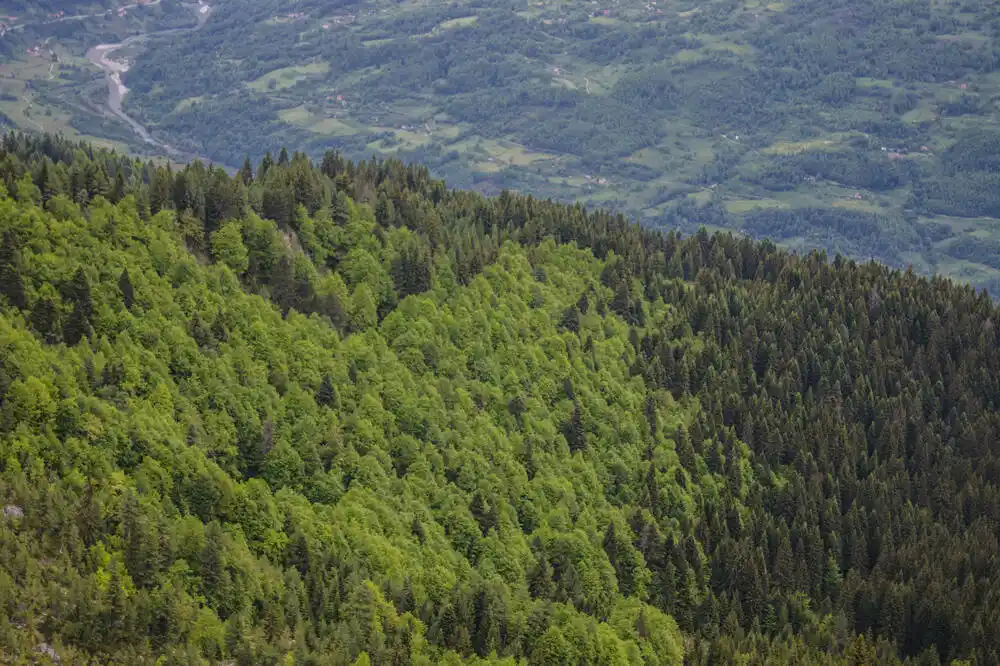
[
  {"x": 685, "y": 450},
  {"x": 417, "y": 530},
  {"x": 516, "y": 407},
  {"x": 246, "y": 171},
  {"x": 652, "y": 490},
  {"x": 540, "y": 582},
  {"x": 611, "y": 546},
  {"x": 411, "y": 269},
  {"x": 265, "y": 166},
  {"x": 120, "y": 188},
  {"x": 327, "y": 393},
  {"x": 45, "y": 318},
  {"x": 570, "y": 320},
  {"x": 385, "y": 212},
  {"x": 574, "y": 431},
  {"x": 11, "y": 281},
  {"x": 125, "y": 286},
  {"x": 651, "y": 417},
  {"x": 485, "y": 512},
  {"x": 622, "y": 301},
  {"x": 160, "y": 189},
  {"x": 77, "y": 292}
]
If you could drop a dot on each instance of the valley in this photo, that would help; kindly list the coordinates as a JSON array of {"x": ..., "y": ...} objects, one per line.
[
  {"x": 680, "y": 114},
  {"x": 100, "y": 56}
]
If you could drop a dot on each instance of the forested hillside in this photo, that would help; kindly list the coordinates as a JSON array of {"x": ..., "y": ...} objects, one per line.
[
  {"x": 862, "y": 127},
  {"x": 680, "y": 113},
  {"x": 341, "y": 414}
]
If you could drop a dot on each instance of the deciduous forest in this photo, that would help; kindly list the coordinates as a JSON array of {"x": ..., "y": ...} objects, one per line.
[{"x": 335, "y": 412}]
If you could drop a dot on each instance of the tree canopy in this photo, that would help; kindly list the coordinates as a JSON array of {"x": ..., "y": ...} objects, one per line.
[{"x": 337, "y": 413}]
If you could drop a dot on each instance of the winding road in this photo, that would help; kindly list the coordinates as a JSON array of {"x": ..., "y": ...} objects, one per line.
[{"x": 100, "y": 55}]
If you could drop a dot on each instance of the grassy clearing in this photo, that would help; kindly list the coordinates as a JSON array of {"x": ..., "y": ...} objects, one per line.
[
  {"x": 495, "y": 155},
  {"x": 446, "y": 131},
  {"x": 689, "y": 56},
  {"x": 701, "y": 198},
  {"x": 564, "y": 82},
  {"x": 731, "y": 47},
  {"x": 862, "y": 205},
  {"x": 965, "y": 271},
  {"x": 924, "y": 113},
  {"x": 297, "y": 116},
  {"x": 450, "y": 24},
  {"x": 287, "y": 77},
  {"x": 28, "y": 115},
  {"x": 20, "y": 103},
  {"x": 187, "y": 103},
  {"x": 460, "y": 22},
  {"x": 802, "y": 199},
  {"x": 715, "y": 43},
  {"x": 318, "y": 123},
  {"x": 649, "y": 157},
  {"x": 829, "y": 143},
  {"x": 869, "y": 83},
  {"x": 404, "y": 139},
  {"x": 334, "y": 127},
  {"x": 740, "y": 206}
]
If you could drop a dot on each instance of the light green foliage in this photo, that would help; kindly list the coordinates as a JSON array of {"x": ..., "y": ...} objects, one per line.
[
  {"x": 228, "y": 247},
  {"x": 191, "y": 422}
]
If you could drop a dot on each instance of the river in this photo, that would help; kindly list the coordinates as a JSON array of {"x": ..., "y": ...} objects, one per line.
[{"x": 100, "y": 55}]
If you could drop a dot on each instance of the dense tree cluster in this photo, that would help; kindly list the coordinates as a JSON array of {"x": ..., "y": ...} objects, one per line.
[{"x": 337, "y": 413}]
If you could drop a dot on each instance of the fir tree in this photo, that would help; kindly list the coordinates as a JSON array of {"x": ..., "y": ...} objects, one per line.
[{"x": 126, "y": 289}]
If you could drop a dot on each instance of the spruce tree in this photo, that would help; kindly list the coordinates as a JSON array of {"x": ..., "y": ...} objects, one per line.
[
  {"x": 77, "y": 292},
  {"x": 127, "y": 291},
  {"x": 11, "y": 281},
  {"x": 574, "y": 431},
  {"x": 246, "y": 171}
]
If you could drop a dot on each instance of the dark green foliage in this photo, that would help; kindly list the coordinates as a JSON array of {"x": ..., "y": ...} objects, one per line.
[
  {"x": 570, "y": 319},
  {"x": 127, "y": 290},
  {"x": 11, "y": 282},
  {"x": 77, "y": 294},
  {"x": 573, "y": 430},
  {"x": 849, "y": 232}
]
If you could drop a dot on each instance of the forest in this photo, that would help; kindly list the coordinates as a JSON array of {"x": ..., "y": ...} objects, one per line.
[
  {"x": 336, "y": 412},
  {"x": 679, "y": 114},
  {"x": 791, "y": 108}
]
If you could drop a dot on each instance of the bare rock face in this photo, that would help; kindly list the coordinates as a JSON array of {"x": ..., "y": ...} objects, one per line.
[{"x": 12, "y": 511}]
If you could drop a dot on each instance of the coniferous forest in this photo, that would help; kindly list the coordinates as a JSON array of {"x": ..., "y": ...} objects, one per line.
[{"x": 338, "y": 413}]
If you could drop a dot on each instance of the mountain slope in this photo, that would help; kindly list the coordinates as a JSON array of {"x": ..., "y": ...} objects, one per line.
[
  {"x": 723, "y": 113},
  {"x": 831, "y": 125},
  {"x": 341, "y": 414}
]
